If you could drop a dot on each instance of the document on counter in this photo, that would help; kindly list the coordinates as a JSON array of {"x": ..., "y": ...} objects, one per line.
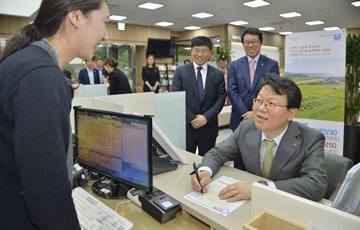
[{"x": 211, "y": 200}]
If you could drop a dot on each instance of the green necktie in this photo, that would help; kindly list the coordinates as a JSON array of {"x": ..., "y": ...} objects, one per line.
[{"x": 268, "y": 158}]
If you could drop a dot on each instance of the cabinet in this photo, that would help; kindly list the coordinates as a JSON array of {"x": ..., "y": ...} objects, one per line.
[{"x": 166, "y": 75}]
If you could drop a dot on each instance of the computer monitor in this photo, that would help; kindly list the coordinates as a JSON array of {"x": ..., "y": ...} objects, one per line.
[{"x": 116, "y": 145}]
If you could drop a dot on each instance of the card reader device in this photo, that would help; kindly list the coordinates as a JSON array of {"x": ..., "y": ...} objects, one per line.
[{"x": 159, "y": 205}]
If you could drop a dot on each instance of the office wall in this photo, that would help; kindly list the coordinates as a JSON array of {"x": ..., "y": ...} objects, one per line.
[{"x": 10, "y": 24}]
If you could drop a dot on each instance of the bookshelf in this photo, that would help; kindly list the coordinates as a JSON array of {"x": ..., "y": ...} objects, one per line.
[{"x": 166, "y": 75}]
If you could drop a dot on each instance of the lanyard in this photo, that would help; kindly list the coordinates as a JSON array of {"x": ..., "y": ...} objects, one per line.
[{"x": 51, "y": 49}]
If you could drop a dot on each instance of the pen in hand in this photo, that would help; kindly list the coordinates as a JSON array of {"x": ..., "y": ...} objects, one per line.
[{"x": 197, "y": 177}]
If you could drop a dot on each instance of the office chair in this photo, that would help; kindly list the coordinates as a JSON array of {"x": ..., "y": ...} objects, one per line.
[{"x": 337, "y": 167}]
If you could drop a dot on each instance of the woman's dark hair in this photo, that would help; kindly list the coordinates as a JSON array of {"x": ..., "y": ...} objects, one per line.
[
  {"x": 252, "y": 31},
  {"x": 47, "y": 22},
  {"x": 281, "y": 86},
  {"x": 112, "y": 62},
  {"x": 154, "y": 64},
  {"x": 201, "y": 41}
]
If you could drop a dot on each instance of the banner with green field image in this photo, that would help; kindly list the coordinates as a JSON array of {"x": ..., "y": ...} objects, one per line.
[{"x": 316, "y": 62}]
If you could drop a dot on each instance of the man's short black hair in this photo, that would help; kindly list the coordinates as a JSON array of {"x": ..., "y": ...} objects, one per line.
[
  {"x": 252, "y": 31},
  {"x": 201, "y": 41},
  {"x": 281, "y": 86}
]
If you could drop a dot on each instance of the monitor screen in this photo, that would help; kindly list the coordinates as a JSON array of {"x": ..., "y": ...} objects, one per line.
[
  {"x": 161, "y": 48},
  {"x": 115, "y": 145}
]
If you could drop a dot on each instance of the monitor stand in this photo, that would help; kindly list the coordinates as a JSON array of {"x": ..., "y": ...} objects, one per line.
[{"x": 109, "y": 188}]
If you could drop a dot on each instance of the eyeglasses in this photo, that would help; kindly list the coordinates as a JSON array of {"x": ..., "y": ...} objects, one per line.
[
  {"x": 269, "y": 105},
  {"x": 252, "y": 42}
]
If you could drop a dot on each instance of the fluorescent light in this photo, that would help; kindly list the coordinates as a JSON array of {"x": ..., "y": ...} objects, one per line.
[
  {"x": 238, "y": 23},
  {"x": 192, "y": 28},
  {"x": 356, "y": 4},
  {"x": 266, "y": 28},
  {"x": 19, "y": 8},
  {"x": 202, "y": 15},
  {"x": 290, "y": 15},
  {"x": 331, "y": 28},
  {"x": 187, "y": 48},
  {"x": 256, "y": 3},
  {"x": 313, "y": 23},
  {"x": 150, "y": 6},
  {"x": 285, "y": 33},
  {"x": 117, "y": 17},
  {"x": 164, "y": 24}
]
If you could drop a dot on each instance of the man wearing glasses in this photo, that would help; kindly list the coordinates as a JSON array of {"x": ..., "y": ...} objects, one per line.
[
  {"x": 289, "y": 154},
  {"x": 244, "y": 76}
]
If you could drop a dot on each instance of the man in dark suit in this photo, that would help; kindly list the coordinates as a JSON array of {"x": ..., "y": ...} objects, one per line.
[
  {"x": 205, "y": 96},
  {"x": 89, "y": 75},
  {"x": 295, "y": 160},
  {"x": 241, "y": 85}
]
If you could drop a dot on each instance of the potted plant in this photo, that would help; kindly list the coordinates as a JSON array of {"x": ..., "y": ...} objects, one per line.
[
  {"x": 222, "y": 58},
  {"x": 352, "y": 98}
]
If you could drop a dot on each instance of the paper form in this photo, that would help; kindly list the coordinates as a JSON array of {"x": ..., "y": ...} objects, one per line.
[{"x": 211, "y": 200}]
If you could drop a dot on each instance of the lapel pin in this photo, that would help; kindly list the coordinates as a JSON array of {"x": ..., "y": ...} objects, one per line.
[
  {"x": 294, "y": 145},
  {"x": 262, "y": 64}
]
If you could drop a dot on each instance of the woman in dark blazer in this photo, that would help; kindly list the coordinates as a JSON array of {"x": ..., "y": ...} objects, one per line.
[
  {"x": 151, "y": 76},
  {"x": 117, "y": 80}
]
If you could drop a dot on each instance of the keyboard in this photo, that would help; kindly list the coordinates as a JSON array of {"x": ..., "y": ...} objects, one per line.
[{"x": 95, "y": 215}]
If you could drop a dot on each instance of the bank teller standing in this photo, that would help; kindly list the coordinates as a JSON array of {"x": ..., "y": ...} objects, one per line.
[{"x": 150, "y": 75}]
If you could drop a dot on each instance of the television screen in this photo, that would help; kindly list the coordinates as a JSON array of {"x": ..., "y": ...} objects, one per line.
[{"x": 160, "y": 48}]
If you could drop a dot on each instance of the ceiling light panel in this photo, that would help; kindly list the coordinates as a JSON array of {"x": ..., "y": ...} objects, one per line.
[
  {"x": 313, "y": 23},
  {"x": 192, "y": 28},
  {"x": 356, "y": 4},
  {"x": 256, "y": 3},
  {"x": 290, "y": 15},
  {"x": 202, "y": 15},
  {"x": 150, "y": 6},
  {"x": 331, "y": 28},
  {"x": 117, "y": 17},
  {"x": 164, "y": 24},
  {"x": 266, "y": 28},
  {"x": 285, "y": 33},
  {"x": 238, "y": 23}
]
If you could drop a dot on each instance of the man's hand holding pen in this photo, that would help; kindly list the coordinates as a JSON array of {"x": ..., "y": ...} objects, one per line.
[
  {"x": 231, "y": 193},
  {"x": 204, "y": 180}
]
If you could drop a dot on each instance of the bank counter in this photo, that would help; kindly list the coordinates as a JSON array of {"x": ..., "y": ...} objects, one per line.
[{"x": 177, "y": 184}]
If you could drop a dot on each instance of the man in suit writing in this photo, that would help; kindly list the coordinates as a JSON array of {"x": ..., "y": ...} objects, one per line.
[
  {"x": 244, "y": 76},
  {"x": 205, "y": 96},
  {"x": 89, "y": 75},
  {"x": 289, "y": 154}
]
